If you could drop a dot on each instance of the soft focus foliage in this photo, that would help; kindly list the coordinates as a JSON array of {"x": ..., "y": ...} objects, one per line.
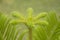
[
  {"x": 49, "y": 32},
  {"x": 45, "y": 26},
  {"x": 7, "y": 30}
]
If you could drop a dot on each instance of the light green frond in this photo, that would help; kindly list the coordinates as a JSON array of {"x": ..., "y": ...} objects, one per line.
[
  {"x": 41, "y": 15},
  {"x": 29, "y": 11},
  {"x": 17, "y": 15},
  {"x": 50, "y": 31},
  {"x": 15, "y": 22},
  {"x": 40, "y": 33},
  {"x": 41, "y": 22},
  {"x": 53, "y": 24},
  {"x": 7, "y": 31}
]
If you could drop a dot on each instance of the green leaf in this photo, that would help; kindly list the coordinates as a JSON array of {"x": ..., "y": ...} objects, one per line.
[
  {"x": 15, "y": 22},
  {"x": 41, "y": 15},
  {"x": 29, "y": 11},
  {"x": 17, "y": 15}
]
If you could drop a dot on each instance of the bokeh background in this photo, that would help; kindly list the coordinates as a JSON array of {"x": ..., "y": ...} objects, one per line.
[{"x": 7, "y": 6}]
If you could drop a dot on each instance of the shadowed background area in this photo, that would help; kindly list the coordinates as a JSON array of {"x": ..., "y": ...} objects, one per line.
[{"x": 7, "y": 6}]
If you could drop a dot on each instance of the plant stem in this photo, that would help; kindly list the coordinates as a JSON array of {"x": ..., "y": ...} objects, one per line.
[{"x": 30, "y": 33}]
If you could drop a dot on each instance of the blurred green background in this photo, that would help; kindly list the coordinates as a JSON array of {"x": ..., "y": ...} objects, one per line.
[{"x": 7, "y": 6}]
